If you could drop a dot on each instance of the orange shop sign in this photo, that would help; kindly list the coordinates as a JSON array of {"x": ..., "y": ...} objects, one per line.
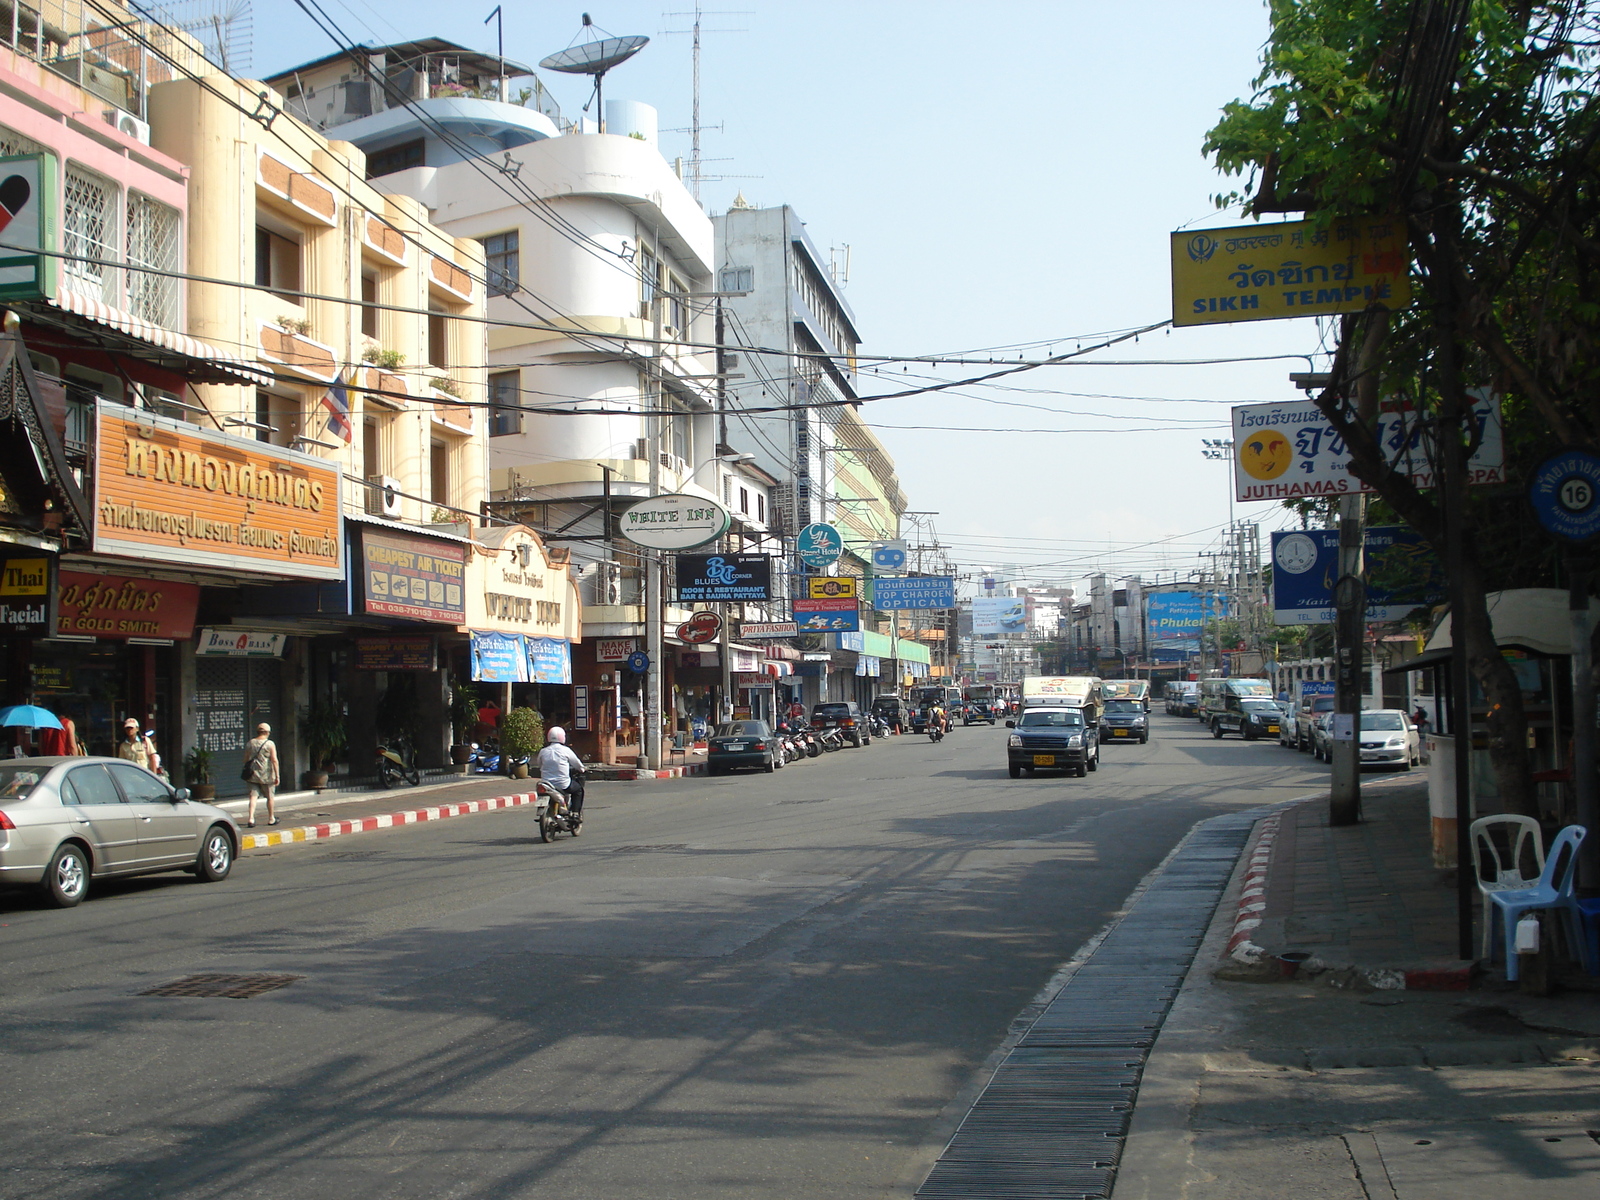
[
  {"x": 175, "y": 492},
  {"x": 115, "y": 606}
]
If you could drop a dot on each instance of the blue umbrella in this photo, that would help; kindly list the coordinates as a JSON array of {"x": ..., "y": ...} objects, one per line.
[{"x": 28, "y": 716}]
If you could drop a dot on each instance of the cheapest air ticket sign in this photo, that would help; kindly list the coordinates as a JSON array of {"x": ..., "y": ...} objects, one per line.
[{"x": 1281, "y": 451}]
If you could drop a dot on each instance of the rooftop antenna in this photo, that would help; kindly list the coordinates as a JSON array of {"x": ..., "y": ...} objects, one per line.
[
  {"x": 694, "y": 120},
  {"x": 595, "y": 57}
]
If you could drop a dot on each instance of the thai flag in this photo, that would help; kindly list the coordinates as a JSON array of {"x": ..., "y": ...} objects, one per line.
[{"x": 337, "y": 401}]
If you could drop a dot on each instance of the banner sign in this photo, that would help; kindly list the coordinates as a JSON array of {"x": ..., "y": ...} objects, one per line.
[
  {"x": 395, "y": 653},
  {"x": 831, "y": 616},
  {"x": 414, "y": 577},
  {"x": 1262, "y": 272},
  {"x": 614, "y": 649},
  {"x": 769, "y": 629},
  {"x": 499, "y": 658},
  {"x": 549, "y": 660},
  {"x": 831, "y": 587},
  {"x": 714, "y": 578},
  {"x": 919, "y": 591},
  {"x": 28, "y": 593},
  {"x": 239, "y": 643},
  {"x": 1316, "y": 687},
  {"x": 177, "y": 493},
  {"x": 994, "y": 615},
  {"x": 114, "y": 606},
  {"x": 28, "y": 191},
  {"x": 1403, "y": 573},
  {"x": 1286, "y": 450},
  {"x": 1173, "y": 620}
]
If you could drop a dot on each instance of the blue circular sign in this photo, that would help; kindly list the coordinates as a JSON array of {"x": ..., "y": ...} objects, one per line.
[
  {"x": 1565, "y": 494},
  {"x": 638, "y": 662},
  {"x": 819, "y": 544}
]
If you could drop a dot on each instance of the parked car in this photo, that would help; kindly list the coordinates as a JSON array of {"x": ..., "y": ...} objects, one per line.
[
  {"x": 1389, "y": 739},
  {"x": 1124, "y": 721},
  {"x": 1299, "y": 736},
  {"x": 741, "y": 744},
  {"x": 846, "y": 715},
  {"x": 67, "y": 821},
  {"x": 1321, "y": 736},
  {"x": 1250, "y": 717}
]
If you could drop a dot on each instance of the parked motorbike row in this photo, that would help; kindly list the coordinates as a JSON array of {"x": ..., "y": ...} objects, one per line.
[{"x": 797, "y": 741}]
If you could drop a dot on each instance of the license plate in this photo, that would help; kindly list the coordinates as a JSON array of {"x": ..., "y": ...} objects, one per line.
[
  {"x": 734, "y": 746},
  {"x": 1272, "y": 729},
  {"x": 1044, "y": 760},
  {"x": 1119, "y": 733}
]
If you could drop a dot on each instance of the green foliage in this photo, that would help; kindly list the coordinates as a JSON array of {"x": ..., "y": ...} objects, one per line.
[
  {"x": 197, "y": 766},
  {"x": 464, "y": 704},
  {"x": 521, "y": 732},
  {"x": 323, "y": 730},
  {"x": 388, "y": 360}
]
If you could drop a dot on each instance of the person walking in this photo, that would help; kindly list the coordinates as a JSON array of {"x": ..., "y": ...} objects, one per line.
[
  {"x": 261, "y": 772},
  {"x": 562, "y": 769},
  {"x": 137, "y": 747},
  {"x": 55, "y": 743}
]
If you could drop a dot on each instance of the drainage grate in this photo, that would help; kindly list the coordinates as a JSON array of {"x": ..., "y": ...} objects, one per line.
[
  {"x": 231, "y": 987},
  {"x": 649, "y": 849}
]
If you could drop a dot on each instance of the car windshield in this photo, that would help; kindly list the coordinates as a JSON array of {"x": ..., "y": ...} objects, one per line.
[
  {"x": 736, "y": 729},
  {"x": 1124, "y": 706},
  {"x": 16, "y": 783},
  {"x": 1322, "y": 704},
  {"x": 1383, "y": 720},
  {"x": 1054, "y": 719},
  {"x": 1266, "y": 706}
]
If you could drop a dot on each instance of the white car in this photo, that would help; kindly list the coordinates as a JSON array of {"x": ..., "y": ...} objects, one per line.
[{"x": 1389, "y": 739}]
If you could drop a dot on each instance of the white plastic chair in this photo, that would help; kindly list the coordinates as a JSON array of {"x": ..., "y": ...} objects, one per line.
[{"x": 1518, "y": 835}]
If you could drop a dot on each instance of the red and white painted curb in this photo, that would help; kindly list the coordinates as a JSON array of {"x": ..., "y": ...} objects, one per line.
[
  {"x": 1253, "y": 892},
  {"x": 410, "y": 816}
]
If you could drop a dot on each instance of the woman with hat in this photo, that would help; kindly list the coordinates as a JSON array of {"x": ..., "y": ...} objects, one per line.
[
  {"x": 261, "y": 772},
  {"x": 137, "y": 747}
]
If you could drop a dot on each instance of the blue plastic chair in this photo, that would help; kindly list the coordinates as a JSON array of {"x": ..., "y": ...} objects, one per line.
[{"x": 1553, "y": 891}]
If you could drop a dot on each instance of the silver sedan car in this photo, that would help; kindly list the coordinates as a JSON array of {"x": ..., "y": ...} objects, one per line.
[{"x": 65, "y": 821}]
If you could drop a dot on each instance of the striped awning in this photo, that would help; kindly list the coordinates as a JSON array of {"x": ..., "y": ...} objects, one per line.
[{"x": 200, "y": 361}]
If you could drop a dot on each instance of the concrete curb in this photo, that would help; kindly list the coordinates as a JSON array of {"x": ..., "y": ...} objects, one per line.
[
  {"x": 410, "y": 816},
  {"x": 631, "y": 774},
  {"x": 1253, "y": 892}
]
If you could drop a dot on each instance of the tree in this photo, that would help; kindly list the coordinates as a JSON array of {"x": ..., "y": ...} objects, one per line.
[{"x": 1476, "y": 123}]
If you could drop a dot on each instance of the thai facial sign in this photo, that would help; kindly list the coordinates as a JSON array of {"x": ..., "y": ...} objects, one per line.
[
  {"x": 708, "y": 578},
  {"x": 113, "y": 606},
  {"x": 175, "y": 492},
  {"x": 1286, "y": 450},
  {"x": 413, "y": 577},
  {"x": 1264, "y": 272},
  {"x": 28, "y": 586}
]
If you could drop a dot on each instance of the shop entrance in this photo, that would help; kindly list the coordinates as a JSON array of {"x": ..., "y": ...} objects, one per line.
[{"x": 232, "y": 696}]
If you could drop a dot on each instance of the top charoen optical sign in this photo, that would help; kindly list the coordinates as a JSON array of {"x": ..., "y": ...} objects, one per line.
[{"x": 1292, "y": 269}]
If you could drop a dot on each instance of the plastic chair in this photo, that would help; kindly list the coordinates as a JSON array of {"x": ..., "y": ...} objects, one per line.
[
  {"x": 1518, "y": 835},
  {"x": 1589, "y": 912},
  {"x": 1553, "y": 891}
]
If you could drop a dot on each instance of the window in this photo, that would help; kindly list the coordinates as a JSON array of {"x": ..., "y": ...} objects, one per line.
[
  {"x": 137, "y": 785},
  {"x": 396, "y": 158},
  {"x": 93, "y": 785},
  {"x": 277, "y": 263},
  {"x": 744, "y": 500},
  {"x": 89, "y": 231},
  {"x": 278, "y": 416},
  {"x": 369, "y": 302},
  {"x": 153, "y": 237},
  {"x": 505, "y": 392},
  {"x": 439, "y": 471},
  {"x": 761, "y": 508},
  {"x": 371, "y": 447},
  {"x": 649, "y": 283},
  {"x": 438, "y": 337},
  {"x": 737, "y": 279},
  {"x": 501, "y": 257},
  {"x": 677, "y": 304}
]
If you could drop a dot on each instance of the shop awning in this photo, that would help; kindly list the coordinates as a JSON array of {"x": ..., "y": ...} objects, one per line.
[
  {"x": 138, "y": 338},
  {"x": 779, "y": 669},
  {"x": 1531, "y": 619}
]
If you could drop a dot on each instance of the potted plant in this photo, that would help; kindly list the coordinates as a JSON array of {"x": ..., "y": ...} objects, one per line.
[
  {"x": 521, "y": 736},
  {"x": 197, "y": 773},
  {"x": 322, "y": 728},
  {"x": 464, "y": 703}
]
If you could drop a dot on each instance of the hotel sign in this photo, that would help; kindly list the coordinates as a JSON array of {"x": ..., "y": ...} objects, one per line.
[{"x": 176, "y": 493}]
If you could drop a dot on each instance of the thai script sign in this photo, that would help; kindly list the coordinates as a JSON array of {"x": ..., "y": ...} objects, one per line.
[
  {"x": 239, "y": 643},
  {"x": 831, "y": 616},
  {"x": 414, "y": 577},
  {"x": 172, "y": 491},
  {"x": 115, "y": 606},
  {"x": 28, "y": 585},
  {"x": 498, "y": 657},
  {"x": 675, "y": 522},
  {"x": 549, "y": 660},
  {"x": 1403, "y": 574},
  {"x": 1293, "y": 269},
  {"x": 827, "y": 587},
  {"x": 399, "y": 653},
  {"x": 713, "y": 578},
  {"x": 919, "y": 591},
  {"x": 1286, "y": 450}
]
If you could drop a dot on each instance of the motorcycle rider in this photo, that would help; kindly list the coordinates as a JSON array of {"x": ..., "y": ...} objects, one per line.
[{"x": 562, "y": 769}]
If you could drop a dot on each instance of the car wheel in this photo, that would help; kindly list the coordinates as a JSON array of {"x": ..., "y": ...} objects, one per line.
[
  {"x": 66, "y": 879},
  {"x": 1216, "y": 730},
  {"x": 1144, "y": 739},
  {"x": 1092, "y": 764},
  {"x": 768, "y": 767},
  {"x": 216, "y": 856},
  {"x": 1016, "y": 772}
]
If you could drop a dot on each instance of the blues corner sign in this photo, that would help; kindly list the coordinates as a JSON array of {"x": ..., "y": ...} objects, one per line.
[{"x": 713, "y": 578}]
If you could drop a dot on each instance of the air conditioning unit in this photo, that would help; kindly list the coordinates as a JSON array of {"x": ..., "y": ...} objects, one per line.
[
  {"x": 673, "y": 463},
  {"x": 608, "y": 583},
  {"x": 125, "y": 122},
  {"x": 383, "y": 496}
]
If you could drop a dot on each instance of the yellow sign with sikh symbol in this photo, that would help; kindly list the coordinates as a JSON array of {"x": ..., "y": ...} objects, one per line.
[
  {"x": 831, "y": 588},
  {"x": 1292, "y": 269}
]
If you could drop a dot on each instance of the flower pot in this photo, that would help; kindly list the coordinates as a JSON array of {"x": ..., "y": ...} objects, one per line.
[
  {"x": 520, "y": 771},
  {"x": 203, "y": 791},
  {"x": 316, "y": 780},
  {"x": 460, "y": 754}
]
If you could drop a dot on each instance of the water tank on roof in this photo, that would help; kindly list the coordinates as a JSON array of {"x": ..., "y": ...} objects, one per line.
[{"x": 628, "y": 117}]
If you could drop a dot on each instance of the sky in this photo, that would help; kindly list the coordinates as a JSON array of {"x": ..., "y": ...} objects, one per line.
[{"x": 1006, "y": 179}]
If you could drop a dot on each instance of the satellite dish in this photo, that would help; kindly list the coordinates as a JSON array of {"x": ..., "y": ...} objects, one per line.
[{"x": 594, "y": 58}]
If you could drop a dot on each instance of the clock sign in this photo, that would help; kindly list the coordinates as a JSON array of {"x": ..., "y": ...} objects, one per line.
[{"x": 1296, "y": 553}]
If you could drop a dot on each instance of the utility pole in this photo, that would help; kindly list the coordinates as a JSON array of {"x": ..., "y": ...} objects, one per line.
[
  {"x": 654, "y": 608},
  {"x": 1349, "y": 624}
]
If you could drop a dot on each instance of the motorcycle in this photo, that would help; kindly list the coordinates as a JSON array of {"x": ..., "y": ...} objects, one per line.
[
  {"x": 551, "y": 811},
  {"x": 935, "y": 730},
  {"x": 485, "y": 759},
  {"x": 832, "y": 738},
  {"x": 880, "y": 726},
  {"x": 788, "y": 743},
  {"x": 811, "y": 742},
  {"x": 397, "y": 763}
]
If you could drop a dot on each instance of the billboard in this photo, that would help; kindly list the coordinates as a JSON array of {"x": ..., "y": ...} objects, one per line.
[
  {"x": 920, "y": 591},
  {"x": 1403, "y": 573},
  {"x": 827, "y": 616},
  {"x": 1265, "y": 272},
  {"x": 1173, "y": 620},
  {"x": 710, "y": 578},
  {"x": 994, "y": 615}
]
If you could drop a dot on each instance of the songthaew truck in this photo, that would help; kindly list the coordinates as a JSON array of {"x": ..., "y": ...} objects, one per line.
[
  {"x": 1057, "y": 727},
  {"x": 1127, "y": 689}
]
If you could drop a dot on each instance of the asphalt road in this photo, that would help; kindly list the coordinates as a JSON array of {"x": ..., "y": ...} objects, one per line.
[{"x": 751, "y": 986}]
